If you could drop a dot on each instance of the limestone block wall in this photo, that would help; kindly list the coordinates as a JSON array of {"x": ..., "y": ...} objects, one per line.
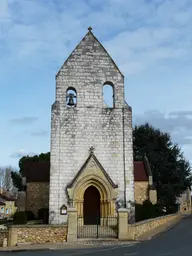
[
  {"x": 90, "y": 123},
  {"x": 138, "y": 229},
  {"x": 37, "y": 196},
  {"x": 141, "y": 191},
  {"x": 39, "y": 234}
]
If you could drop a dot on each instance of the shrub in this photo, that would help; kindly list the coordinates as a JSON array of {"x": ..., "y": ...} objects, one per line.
[
  {"x": 172, "y": 209},
  {"x": 43, "y": 214},
  {"x": 148, "y": 211},
  {"x": 20, "y": 218},
  {"x": 30, "y": 215}
]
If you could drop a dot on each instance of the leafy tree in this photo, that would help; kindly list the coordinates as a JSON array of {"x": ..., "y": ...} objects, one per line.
[
  {"x": 171, "y": 171},
  {"x": 17, "y": 176},
  {"x": 17, "y": 180}
]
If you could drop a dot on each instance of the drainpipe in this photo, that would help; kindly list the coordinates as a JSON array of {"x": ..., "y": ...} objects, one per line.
[{"x": 125, "y": 204}]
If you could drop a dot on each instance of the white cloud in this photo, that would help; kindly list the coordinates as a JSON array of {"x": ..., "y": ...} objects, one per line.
[
  {"x": 144, "y": 48},
  {"x": 23, "y": 120},
  {"x": 139, "y": 34},
  {"x": 177, "y": 123},
  {"x": 20, "y": 153}
]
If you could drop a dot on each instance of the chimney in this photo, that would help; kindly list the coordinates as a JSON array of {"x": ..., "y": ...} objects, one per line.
[{"x": 6, "y": 193}]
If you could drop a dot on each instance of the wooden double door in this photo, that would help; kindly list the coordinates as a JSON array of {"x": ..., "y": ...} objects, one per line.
[{"x": 91, "y": 206}]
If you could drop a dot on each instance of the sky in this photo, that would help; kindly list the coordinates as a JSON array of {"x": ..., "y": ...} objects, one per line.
[{"x": 150, "y": 41}]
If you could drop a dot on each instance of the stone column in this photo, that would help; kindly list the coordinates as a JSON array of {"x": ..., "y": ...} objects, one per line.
[
  {"x": 123, "y": 224},
  {"x": 153, "y": 196},
  {"x": 5, "y": 242},
  {"x": 21, "y": 201},
  {"x": 72, "y": 225},
  {"x": 12, "y": 236}
]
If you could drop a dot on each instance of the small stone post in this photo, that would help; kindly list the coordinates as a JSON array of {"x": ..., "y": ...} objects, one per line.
[
  {"x": 123, "y": 224},
  {"x": 72, "y": 225},
  {"x": 153, "y": 196},
  {"x": 5, "y": 242},
  {"x": 12, "y": 236}
]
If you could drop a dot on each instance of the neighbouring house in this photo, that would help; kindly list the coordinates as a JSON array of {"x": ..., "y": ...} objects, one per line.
[
  {"x": 37, "y": 185},
  {"x": 2, "y": 210},
  {"x": 7, "y": 204},
  {"x": 143, "y": 186},
  {"x": 184, "y": 200},
  {"x": 37, "y": 177}
]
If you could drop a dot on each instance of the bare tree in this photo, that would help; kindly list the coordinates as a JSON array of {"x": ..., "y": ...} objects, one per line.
[{"x": 5, "y": 178}]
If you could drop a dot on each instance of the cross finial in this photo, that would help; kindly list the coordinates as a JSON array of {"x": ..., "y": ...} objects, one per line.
[
  {"x": 91, "y": 150},
  {"x": 89, "y": 28}
]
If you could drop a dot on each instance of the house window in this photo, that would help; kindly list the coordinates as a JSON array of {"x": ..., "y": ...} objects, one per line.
[
  {"x": 108, "y": 95},
  {"x": 2, "y": 209},
  {"x": 7, "y": 211}
]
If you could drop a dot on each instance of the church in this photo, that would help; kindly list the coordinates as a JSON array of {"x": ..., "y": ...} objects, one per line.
[
  {"x": 91, "y": 145},
  {"x": 91, "y": 157}
]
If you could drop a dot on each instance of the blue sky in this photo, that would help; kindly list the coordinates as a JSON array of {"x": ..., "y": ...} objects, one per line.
[{"x": 150, "y": 40}]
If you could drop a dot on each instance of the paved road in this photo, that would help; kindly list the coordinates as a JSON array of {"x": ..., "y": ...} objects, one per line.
[{"x": 175, "y": 242}]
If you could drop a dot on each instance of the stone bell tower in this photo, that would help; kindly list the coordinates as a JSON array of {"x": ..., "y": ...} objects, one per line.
[{"x": 91, "y": 143}]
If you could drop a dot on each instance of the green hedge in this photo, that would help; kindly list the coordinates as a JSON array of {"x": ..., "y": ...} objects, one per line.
[
  {"x": 43, "y": 214},
  {"x": 30, "y": 215},
  {"x": 20, "y": 218},
  {"x": 148, "y": 211}
]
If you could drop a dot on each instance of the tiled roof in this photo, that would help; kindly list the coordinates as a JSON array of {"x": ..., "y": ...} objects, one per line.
[
  {"x": 37, "y": 171},
  {"x": 6, "y": 198},
  {"x": 40, "y": 171},
  {"x": 140, "y": 173}
]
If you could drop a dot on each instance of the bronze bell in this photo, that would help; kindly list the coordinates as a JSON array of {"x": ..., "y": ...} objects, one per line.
[{"x": 71, "y": 100}]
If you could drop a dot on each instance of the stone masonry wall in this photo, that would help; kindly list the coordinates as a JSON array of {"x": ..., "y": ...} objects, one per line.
[
  {"x": 41, "y": 234},
  {"x": 3, "y": 234},
  {"x": 142, "y": 227},
  {"x": 141, "y": 191},
  {"x": 75, "y": 130},
  {"x": 37, "y": 196}
]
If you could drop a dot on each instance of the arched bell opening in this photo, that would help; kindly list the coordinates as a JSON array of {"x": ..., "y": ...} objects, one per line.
[
  {"x": 71, "y": 97},
  {"x": 108, "y": 95}
]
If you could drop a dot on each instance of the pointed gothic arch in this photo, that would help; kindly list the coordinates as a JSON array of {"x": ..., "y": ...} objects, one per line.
[{"x": 93, "y": 174}]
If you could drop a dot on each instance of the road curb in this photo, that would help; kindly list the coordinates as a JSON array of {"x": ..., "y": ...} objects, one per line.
[
  {"x": 27, "y": 250},
  {"x": 59, "y": 249}
]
